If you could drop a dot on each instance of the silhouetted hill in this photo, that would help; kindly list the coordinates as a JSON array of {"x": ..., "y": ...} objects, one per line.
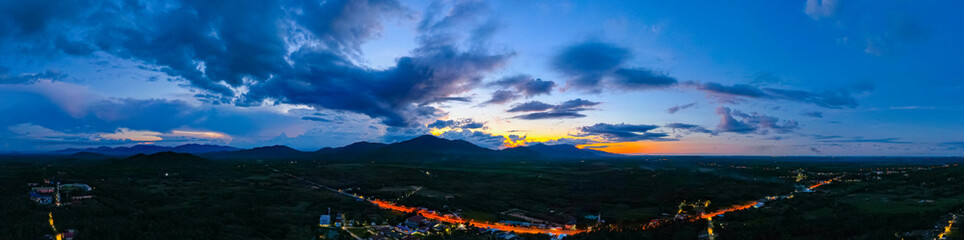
[
  {"x": 87, "y": 156},
  {"x": 351, "y": 151},
  {"x": 161, "y": 159},
  {"x": 202, "y": 148},
  {"x": 276, "y": 152},
  {"x": 433, "y": 144},
  {"x": 149, "y": 149},
  {"x": 561, "y": 151},
  {"x": 426, "y": 147}
]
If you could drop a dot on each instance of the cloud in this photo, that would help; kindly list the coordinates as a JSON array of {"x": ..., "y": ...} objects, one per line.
[
  {"x": 501, "y": 97},
  {"x": 952, "y": 145},
  {"x": 835, "y": 99},
  {"x": 133, "y": 135},
  {"x": 818, "y": 9},
  {"x": 751, "y": 123},
  {"x": 593, "y": 65},
  {"x": 31, "y": 78},
  {"x": 688, "y": 128},
  {"x": 526, "y": 85},
  {"x": 550, "y": 115},
  {"x": 462, "y": 123},
  {"x": 252, "y": 53},
  {"x": 477, "y": 137},
  {"x": 531, "y": 106},
  {"x": 567, "y": 109},
  {"x": 316, "y": 119},
  {"x": 641, "y": 78},
  {"x": 866, "y": 140},
  {"x": 676, "y": 108},
  {"x": 824, "y": 137},
  {"x": 884, "y": 31},
  {"x": 446, "y": 99},
  {"x": 814, "y": 114},
  {"x": 28, "y": 137},
  {"x": 623, "y": 132}
]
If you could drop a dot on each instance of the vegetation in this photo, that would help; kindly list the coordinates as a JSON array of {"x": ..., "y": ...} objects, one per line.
[{"x": 179, "y": 196}]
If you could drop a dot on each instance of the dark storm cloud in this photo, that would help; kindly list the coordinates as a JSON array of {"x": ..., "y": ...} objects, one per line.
[
  {"x": 593, "y": 65},
  {"x": 284, "y": 51},
  {"x": 567, "y": 109},
  {"x": 105, "y": 115},
  {"x": 839, "y": 98},
  {"x": 463, "y": 123},
  {"x": 752, "y": 122},
  {"x": 676, "y": 108},
  {"x": 623, "y": 132},
  {"x": 526, "y": 85}
]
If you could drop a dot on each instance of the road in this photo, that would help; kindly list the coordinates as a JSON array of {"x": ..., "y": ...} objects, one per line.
[{"x": 436, "y": 215}]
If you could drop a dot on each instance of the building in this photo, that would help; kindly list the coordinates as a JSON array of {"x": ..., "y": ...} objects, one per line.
[
  {"x": 43, "y": 189},
  {"x": 324, "y": 221},
  {"x": 41, "y": 199},
  {"x": 76, "y": 186}
]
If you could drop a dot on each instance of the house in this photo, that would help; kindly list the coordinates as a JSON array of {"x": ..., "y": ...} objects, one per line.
[
  {"x": 41, "y": 199},
  {"x": 415, "y": 221},
  {"x": 76, "y": 186},
  {"x": 324, "y": 221},
  {"x": 43, "y": 189}
]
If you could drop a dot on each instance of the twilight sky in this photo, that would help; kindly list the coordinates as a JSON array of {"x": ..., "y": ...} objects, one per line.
[{"x": 816, "y": 77}]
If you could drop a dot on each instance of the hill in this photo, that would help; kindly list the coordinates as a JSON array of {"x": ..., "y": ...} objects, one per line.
[
  {"x": 561, "y": 151},
  {"x": 276, "y": 152},
  {"x": 148, "y": 149}
]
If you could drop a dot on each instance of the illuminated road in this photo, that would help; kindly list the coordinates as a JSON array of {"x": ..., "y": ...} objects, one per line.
[
  {"x": 58, "y": 235},
  {"x": 726, "y": 210},
  {"x": 519, "y": 229},
  {"x": 439, "y": 217}
]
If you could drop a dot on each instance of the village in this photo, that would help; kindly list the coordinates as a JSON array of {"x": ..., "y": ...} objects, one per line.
[{"x": 53, "y": 193}]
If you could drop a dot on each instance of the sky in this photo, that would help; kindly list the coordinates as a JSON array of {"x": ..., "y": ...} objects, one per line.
[{"x": 810, "y": 77}]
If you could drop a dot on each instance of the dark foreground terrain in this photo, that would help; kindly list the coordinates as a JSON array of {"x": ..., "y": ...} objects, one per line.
[{"x": 182, "y": 196}]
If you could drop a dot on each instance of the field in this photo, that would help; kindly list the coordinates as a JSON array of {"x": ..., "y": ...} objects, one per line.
[{"x": 203, "y": 199}]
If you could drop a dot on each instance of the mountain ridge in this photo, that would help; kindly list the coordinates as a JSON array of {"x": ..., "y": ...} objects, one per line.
[{"x": 421, "y": 147}]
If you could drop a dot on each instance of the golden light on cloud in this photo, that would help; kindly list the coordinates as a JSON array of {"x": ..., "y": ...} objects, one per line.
[
  {"x": 132, "y": 135},
  {"x": 201, "y": 134}
]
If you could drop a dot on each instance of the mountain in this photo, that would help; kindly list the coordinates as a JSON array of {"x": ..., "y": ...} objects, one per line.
[
  {"x": 149, "y": 149},
  {"x": 276, "y": 152},
  {"x": 202, "y": 148},
  {"x": 351, "y": 151},
  {"x": 161, "y": 160},
  {"x": 561, "y": 151},
  {"x": 426, "y": 147},
  {"x": 87, "y": 156},
  {"x": 432, "y": 146}
]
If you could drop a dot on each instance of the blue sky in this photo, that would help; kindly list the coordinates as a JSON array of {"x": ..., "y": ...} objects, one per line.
[{"x": 819, "y": 77}]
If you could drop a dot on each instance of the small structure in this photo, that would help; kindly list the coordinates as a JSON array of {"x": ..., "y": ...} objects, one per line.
[
  {"x": 41, "y": 199},
  {"x": 43, "y": 189},
  {"x": 324, "y": 221}
]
